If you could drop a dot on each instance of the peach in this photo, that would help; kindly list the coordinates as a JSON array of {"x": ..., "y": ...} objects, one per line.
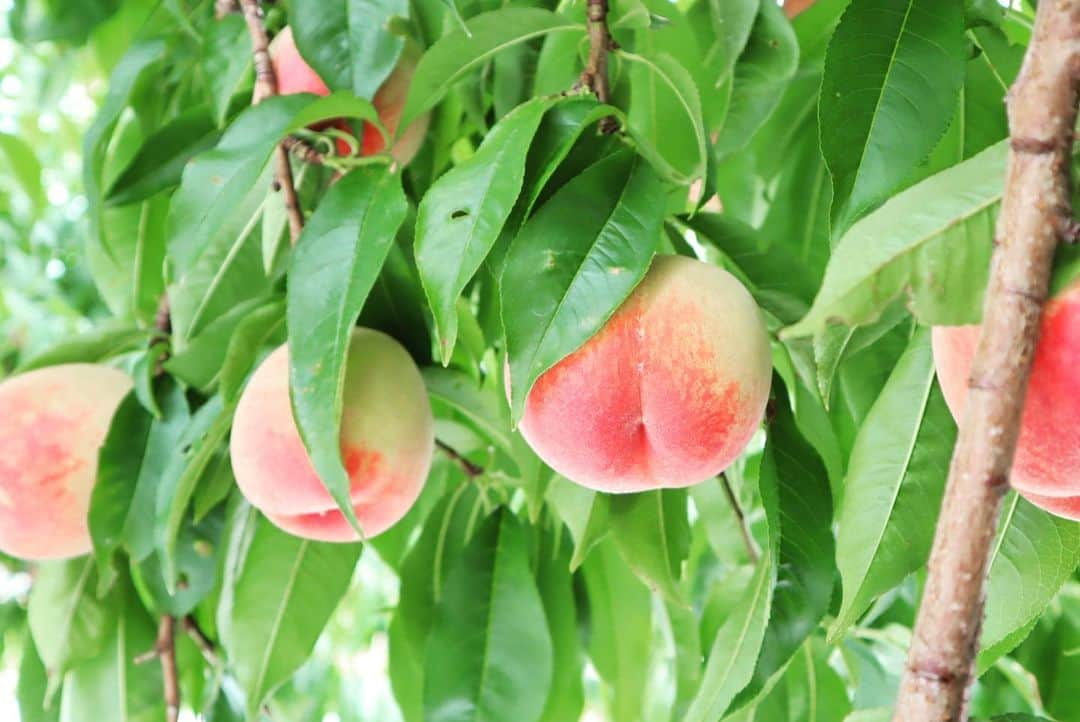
[
  {"x": 1046, "y": 468},
  {"x": 667, "y": 394},
  {"x": 387, "y": 439},
  {"x": 294, "y": 75},
  {"x": 52, "y": 423},
  {"x": 794, "y": 7}
]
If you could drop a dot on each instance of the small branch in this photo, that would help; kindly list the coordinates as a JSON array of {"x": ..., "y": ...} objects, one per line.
[
  {"x": 265, "y": 87},
  {"x": 302, "y": 150},
  {"x": 744, "y": 528},
  {"x": 205, "y": 645},
  {"x": 165, "y": 650},
  {"x": 471, "y": 470},
  {"x": 1034, "y": 211},
  {"x": 595, "y": 75}
]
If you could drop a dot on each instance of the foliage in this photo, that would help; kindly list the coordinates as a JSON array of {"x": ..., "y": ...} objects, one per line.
[{"x": 847, "y": 165}]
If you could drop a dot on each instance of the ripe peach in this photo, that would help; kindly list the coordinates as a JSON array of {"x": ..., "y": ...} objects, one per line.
[
  {"x": 794, "y": 7},
  {"x": 294, "y": 75},
  {"x": 52, "y": 423},
  {"x": 387, "y": 439},
  {"x": 1046, "y": 468},
  {"x": 667, "y": 394}
]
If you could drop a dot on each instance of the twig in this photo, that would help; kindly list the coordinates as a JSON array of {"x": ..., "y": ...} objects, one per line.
[
  {"x": 165, "y": 650},
  {"x": 471, "y": 470},
  {"x": 266, "y": 86},
  {"x": 205, "y": 645},
  {"x": 302, "y": 150},
  {"x": 1042, "y": 114},
  {"x": 744, "y": 529},
  {"x": 595, "y": 75}
]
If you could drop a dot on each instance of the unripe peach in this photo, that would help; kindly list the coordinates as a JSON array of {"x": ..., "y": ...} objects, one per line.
[
  {"x": 387, "y": 439},
  {"x": 667, "y": 394},
  {"x": 294, "y": 75},
  {"x": 52, "y": 423},
  {"x": 1046, "y": 468}
]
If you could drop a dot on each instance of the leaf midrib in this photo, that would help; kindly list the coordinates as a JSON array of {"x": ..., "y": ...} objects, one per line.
[{"x": 275, "y": 628}]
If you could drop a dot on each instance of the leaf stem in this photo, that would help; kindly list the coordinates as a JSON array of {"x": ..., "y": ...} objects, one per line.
[
  {"x": 471, "y": 469},
  {"x": 744, "y": 528}
]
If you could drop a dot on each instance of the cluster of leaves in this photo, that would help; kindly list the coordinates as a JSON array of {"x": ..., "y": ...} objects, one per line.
[{"x": 857, "y": 154}]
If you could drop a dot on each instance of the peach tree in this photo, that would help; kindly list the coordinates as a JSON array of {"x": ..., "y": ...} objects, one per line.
[{"x": 469, "y": 361}]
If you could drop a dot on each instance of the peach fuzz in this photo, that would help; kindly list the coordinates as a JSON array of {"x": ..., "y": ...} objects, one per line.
[
  {"x": 52, "y": 424},
  {"x": 667, "y": 394},
  {"x": 1046, "y": 468},
  {"x": 387, "y": 440},
  {"x": 294, "y": 75}
]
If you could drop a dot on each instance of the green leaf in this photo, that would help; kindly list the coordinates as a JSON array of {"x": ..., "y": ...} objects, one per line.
[
  {"x": 798, "y": 505},
  {"x": 584, "y": 512},
  {"x": 98, "y": 344},
  {"x": 23, "y": 165},
  {"x": 278, "y": 594},
  {"x": 556, "y": 586},
  {"x": 489, "y": 656},
  {"x": 227, "y": 63},
  {"x": 652, "y": 532},
  {"x": 161, "y": 158},
  {"x": 665, "y": 116},
  {"x": 349, "y": 42},
  {"x": 343, "y": 247},
  {"x": 461, "y": 51},
  {"x": 32, "y": 685},
  {"x": 461, "y": 215},
  {"x": 732, "y": 21},
  {"x": 734, "y": 652},
  {"x": 809, "y": 691},
  {"x": 111, "y": 686},
  {"x": 131, "y": 464},
  {"x": 893, "y": 74},
  {"x": 140, "y": 59},
  {"x": 758, "y": 79},
  {"x": 1035, "y": 552},
  {"x": 620, "y": 610},
  {"x": 69, "y": 623},
  {"x": 246, "y": 343},
  {"x": 894, "y": 484},
  {"x": 931, "y": 243},
  {"x": 574, "y": 262},
  {"x": 482, "y": 407}
]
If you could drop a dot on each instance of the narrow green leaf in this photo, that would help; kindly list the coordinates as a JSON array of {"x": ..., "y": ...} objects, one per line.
[
  {"x": 665, "y": 116},
  {"x": 584, "y": 512},
  {"x": 32, "y": 686},
  {"x": 483, "y": 407},
  {"x": 161, "y": 158},
  {"x": 333, "y": 268},
  {"x": 759, "y": 78},
  {"x": 893, "y": 74},
  {"x": 621, "y": 632},
  {"x": 461, "y": 51},
  {"x": 98, "y": 344},
  {"x": 24, "y": 166},
  {"x": 1035, "y": 552},
  {"x": 245, "y": 344},
  {"x": 111, "y": 686},
  {"x": 894, "y": 484},
  {"x": 461, "y": 215},
  {"x": 732, "y": 21},
  {"x": 735, "y": 649},
  {"x": 278, "y": 594},
  {"x": 574, "y": 262},
  {"x": 556, "y": 585},
  {"x": 69, "y": 623},
  {"x": 489, "y": 656},
  {"x": 652, "y": 531},
  {"x": 348, "y": 42},
  {"x": 930, "y": 243},
  {"x": 227, "y": 63}
]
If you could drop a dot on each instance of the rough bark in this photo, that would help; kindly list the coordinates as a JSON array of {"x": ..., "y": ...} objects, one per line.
[{"x": 1035, "y": 213}]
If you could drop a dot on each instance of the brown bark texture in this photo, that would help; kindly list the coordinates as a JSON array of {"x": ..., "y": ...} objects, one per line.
[{"x": 1035, "y": 212}]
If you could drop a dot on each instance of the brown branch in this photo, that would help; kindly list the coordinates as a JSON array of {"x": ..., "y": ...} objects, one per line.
[
  {"x": 595, "y": 75},
  {"x": 744, "y": 529},
  {"x": 302, "y": 150},
  {"x": 204, "y": 643},
  {"x": 266, "y": 86},
  {"x": 165, "y": 650},
  {"x": 471, "y": 469},
  {"x": 1042, "y": 114}
]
